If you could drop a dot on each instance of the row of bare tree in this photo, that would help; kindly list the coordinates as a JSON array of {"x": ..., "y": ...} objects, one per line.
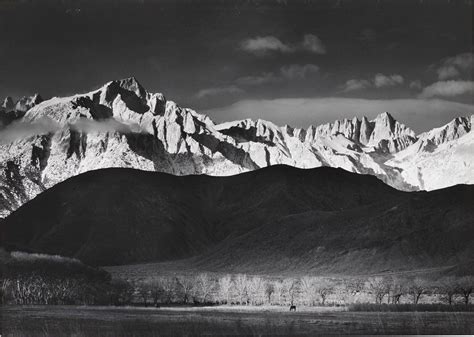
[
  {"x": 241, "y": 289},
  {"x": 254, "y": 290},
  {"x": 40, "y": 289},
  {"x": 447, "y": 289}
]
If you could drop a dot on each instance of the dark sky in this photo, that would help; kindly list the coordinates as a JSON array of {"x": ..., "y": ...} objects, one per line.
[{"x": 225, "y": 56}]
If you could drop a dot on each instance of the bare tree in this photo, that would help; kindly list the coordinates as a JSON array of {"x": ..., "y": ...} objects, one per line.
[
  {"x": 416, "y": 288},
  {"x": 256, "y": 290},
  {"x": 123, "y": 291},
  {"x": 168, "y": 285},
  {"x": 143, "y": 291},
  {"x": 465, "y": 286},
  {"x": 389, "y": 283},
  {"x": 241, "y": 283},
  {"x": 205, "y": 287},
  {"x": 4, "y": 289},
  {"x": 225, "y": 287},
  {"x": 378, "y": 287},
  {"x": 279, "y": 290},
  {"x": 65, "y": 290},
  {"x": 308, "y": 289},
  {"x": 156, "y": 289},
  {"x": 324, "y": 287},
  {"x": 353, "y": 287},
  {"x": 291, "y": 288},
  {"x": 269, "y": 291},
  {"x": 340, "y": 293},
  {"x": 186, "y": 284},
  {"x": 447, "y": 288},
  {"x": 396, "y": 290}
]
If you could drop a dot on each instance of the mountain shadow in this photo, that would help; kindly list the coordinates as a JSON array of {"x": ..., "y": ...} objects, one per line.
[{"x": 277, "y": 218}]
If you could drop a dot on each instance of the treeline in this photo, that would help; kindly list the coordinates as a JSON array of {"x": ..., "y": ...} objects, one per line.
[
  {"x": 44, "y": 279},
  {"x": 308, "y": 291}
]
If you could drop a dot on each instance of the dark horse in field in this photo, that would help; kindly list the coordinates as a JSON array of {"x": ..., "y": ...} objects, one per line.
[{"x": 292, "y": 307}]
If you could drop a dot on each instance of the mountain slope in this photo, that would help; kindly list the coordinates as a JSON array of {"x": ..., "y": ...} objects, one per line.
[
  {"x": 277, "y": 218},
  {"x": 420, "y": 230},
  {"x": 441, "y": 157},
  {"x": 109, "y": 216},
  {"x": 122, "y": 125}
]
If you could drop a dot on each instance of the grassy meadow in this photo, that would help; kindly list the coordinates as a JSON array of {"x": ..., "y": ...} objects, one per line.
[{"x": 85, "y": 321}]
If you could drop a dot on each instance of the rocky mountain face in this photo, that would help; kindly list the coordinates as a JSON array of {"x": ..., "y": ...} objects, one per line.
[
  {"x": 123, "y": 125},
  {"x": 11, "y": 110}
]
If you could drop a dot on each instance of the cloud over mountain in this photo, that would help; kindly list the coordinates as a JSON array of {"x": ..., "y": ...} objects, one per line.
[
  {"x": 420, "y": 114},
  {"x": 378, "y": 81},
  {"x": 262, "y": 45},
  {"x": 356, "y": 84},
  {"x": 313, "y": 44},
  {"x": 107, "y": 125},
  {"x": 449, "y": 88},
  {"x": 285, "y": 73},
  {"x": 123, "y": 125},
  {"x": 456, "y": 66},
  {"x": 226, "y": 90},
  {"x": 44, "y": 125},
  {"x": 20, "y": 130},
  {"x": 381, "y": 80},
  {"x": 296, "y": 71}
]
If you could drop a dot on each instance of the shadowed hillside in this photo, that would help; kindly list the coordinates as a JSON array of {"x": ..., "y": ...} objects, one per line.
[
  {"x": 277, "y": 218},
  {"x": 420, "y": 230}
]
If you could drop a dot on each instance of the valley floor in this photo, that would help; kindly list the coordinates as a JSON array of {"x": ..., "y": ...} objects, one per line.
[{"x": 79, "y": 321}]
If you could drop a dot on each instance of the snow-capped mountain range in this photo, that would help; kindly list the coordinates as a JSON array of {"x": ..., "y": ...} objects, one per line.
[{"x": 123, "y": 125}]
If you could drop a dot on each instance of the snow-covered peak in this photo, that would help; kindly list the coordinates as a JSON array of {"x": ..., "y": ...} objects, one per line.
[
  {"x": 8, "y": 104},
  {"x": 22, "y": 105},
  {"x": 248, "y": 130},
  {"x": 383, "y": 132},
  {"x": 452, "y": 130},
  {"x": 126, "y": 126},
  {"x": 441, "y": 157},
  {"x": 385, "y": 118},
  {"x": 27, "y": 102},
  {"x": 386, "y": 126},
  {"x": 390, "y": 135},
  {"x": 130, "y": 84},
  {"x": 156, "y": 102}
]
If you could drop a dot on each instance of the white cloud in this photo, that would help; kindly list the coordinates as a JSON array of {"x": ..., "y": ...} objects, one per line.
[
  {"x": 232, "y": 90},
  {"x": 446, "y": 72},
  {"x": 20, "y": 130},
  {"x": 420, "y": 114},
  {"x": 286, "y": 73},
  {"x": 107, "y": 125},
  {"x": 448, "y": 89},
  {"x": 356, "y": 84},
  {"x": 296, "y": 71},
  {"x": 313, "y": 44},
  {"x": 381, "y": 80},
  {"x": 262, "y": 45},
  {"x": 455, "y": 66},
  {"x": 416, "y": 84},
  {"x": 24, "y": 129},
  {"x": 258, "y": 79}
]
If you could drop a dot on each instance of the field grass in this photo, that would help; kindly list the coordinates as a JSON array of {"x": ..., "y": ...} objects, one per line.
[
  {"x": 61, "y": 321},
  {"x": 407, "y": 307}
]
